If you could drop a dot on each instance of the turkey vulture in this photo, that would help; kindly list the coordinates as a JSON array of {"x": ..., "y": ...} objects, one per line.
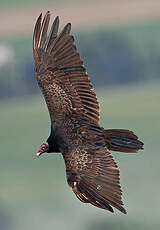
[{"x": 91, "y": 170}]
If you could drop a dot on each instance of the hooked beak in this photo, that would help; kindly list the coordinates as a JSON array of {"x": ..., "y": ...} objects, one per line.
[
  {"x": 44, "y": 148},
  {"x": 38, "y": 154}
]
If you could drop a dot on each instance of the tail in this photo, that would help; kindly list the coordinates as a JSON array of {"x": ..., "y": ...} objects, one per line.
[{"x": 122, "y": 140}]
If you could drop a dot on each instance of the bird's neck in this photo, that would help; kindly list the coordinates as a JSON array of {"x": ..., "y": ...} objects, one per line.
[{"x": 53, "y": 147}]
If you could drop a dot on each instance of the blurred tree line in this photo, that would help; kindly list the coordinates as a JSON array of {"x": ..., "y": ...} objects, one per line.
[{"x": 115, "y": 56}]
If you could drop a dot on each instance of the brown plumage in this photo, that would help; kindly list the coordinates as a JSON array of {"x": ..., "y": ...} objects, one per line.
[{"x": 91, "y": 170}]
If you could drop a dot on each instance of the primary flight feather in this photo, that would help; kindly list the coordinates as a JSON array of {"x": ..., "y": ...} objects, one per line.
[{"x": 91, "y": 170}]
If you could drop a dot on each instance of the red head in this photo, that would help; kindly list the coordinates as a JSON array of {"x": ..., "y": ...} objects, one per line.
[{"x": 44, "y": 148}]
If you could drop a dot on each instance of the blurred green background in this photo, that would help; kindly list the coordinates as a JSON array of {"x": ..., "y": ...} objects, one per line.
[{"x": 121, "y": 52}]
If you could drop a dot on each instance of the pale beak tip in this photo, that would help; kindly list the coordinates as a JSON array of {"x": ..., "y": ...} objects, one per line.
[{"x": 38, "y": 154}]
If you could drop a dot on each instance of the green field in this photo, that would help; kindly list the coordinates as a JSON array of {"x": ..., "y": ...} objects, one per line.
[
  {"x": 101, "y": 50},
  {"x": 138, "y": 37},
  {"x": 34, "y": 193}
]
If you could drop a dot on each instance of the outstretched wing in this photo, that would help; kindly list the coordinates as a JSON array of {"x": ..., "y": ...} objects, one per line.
[
  {"x": 60, "y": 71},
  {"x": 94, "y": 175}
]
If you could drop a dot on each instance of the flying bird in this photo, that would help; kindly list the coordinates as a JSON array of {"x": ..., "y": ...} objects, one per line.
[{"x": 91, "y": 171}]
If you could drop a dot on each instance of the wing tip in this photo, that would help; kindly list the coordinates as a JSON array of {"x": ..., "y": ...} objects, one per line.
[
  {"x": 120, "y": 208},
  {"x": 40, "y": 16},
  {"x": 57, "y": 19},
  {"x": 123, "y": 210},
  {"x": 67, "y": 28}
]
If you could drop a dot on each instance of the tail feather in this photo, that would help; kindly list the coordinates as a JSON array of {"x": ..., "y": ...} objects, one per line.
[{"x": 122, "y": 140}]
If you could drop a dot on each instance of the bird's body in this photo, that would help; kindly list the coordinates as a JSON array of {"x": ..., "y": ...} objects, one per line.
[
  {"x": 91, "y": 170},
  {"x": 86, "y": 156}
]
